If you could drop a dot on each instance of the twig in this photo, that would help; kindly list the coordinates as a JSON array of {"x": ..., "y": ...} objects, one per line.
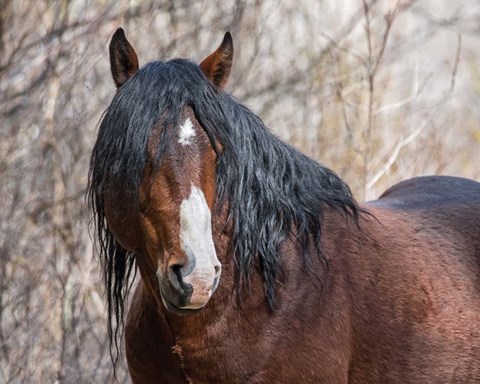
[
  {"x": 393, "y": 157},
  {"x": 389, "y": 18}
]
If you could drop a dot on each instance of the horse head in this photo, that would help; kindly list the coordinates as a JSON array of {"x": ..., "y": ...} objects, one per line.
[{"x": 170, "y": 229}]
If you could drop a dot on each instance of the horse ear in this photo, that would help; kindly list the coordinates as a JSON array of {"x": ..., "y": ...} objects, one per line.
[
  {"x": 123, "y": 58},
  {"x": 218, "y": 64}
]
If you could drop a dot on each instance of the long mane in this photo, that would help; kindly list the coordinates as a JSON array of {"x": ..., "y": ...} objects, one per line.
[{"x": 270, "y": 188}]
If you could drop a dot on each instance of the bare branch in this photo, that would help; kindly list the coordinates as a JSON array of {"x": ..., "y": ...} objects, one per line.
[{"x": 393, "y": 157}]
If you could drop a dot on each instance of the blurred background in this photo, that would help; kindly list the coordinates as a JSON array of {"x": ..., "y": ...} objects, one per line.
[{"x": 379, "y": 91}]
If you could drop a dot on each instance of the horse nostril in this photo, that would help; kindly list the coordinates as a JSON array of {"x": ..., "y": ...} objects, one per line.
[
  {"x": 217, "y": 270},
  {"x": 181, "y": 288},
  {"x": 177, "y": 270},
  {"x": 176, "y": 277}
]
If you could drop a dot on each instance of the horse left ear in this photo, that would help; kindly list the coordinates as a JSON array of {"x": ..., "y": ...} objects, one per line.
[
  {"x": 218, "y": 64},
  {"x": 123, "y": 58}
]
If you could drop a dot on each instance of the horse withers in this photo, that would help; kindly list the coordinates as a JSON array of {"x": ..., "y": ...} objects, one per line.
[{"x": 257, "y": 265}]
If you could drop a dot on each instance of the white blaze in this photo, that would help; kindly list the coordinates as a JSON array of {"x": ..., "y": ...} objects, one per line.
[
  {"x": 186, "y": 132},
  {"x": 197, "y": 242}
]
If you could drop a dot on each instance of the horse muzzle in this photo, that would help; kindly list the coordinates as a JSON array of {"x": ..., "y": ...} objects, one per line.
[{"x": 187, "y": 291}]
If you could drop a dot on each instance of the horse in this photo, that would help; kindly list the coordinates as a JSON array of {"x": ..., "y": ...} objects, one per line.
[{"x": 256, "y": 263}]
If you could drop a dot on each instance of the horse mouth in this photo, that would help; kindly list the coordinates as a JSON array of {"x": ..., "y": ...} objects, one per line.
[{"x": 178, "y": 310}]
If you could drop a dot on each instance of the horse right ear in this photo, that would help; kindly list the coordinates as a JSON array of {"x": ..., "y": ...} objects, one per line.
[
  {"x": 218, "y": 64},
  {"x": 123, "y": 58}
]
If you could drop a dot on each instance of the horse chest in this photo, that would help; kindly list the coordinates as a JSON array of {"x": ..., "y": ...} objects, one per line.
[{"x": 207, "y": 358}]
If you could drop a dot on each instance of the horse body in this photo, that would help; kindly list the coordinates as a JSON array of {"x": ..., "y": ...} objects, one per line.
[
  {"x": 401, "y": 304},
  {"x": 419, "y": 271},
  {"x": 256, "y": 263}
]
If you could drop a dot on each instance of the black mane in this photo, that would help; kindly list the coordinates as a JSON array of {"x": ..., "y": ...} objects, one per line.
[{"x": 270, "y": 188}]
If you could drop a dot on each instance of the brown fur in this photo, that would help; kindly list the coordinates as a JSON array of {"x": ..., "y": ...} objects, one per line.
[{"x": 401, "y": 305}]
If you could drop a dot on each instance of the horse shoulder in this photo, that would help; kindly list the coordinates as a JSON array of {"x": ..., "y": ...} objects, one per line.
[{"x": 149, "y": 343}]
